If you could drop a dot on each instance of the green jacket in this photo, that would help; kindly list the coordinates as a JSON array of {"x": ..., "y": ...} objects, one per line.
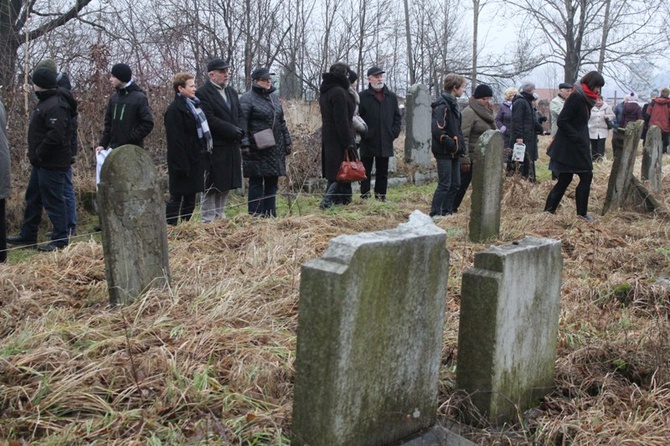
[{"x": 476, "y": 120}]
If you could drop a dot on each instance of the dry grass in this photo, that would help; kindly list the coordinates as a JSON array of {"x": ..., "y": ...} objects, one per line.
[{"x": 209, "y": 361}]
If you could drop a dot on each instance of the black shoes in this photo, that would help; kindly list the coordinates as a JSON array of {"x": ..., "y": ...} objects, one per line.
[
  {"x": 18, "y": 240},
  {"x": 50, "y": 247}
]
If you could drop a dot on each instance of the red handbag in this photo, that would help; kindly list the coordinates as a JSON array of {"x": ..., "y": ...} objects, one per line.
[{"x": 352, "y": 168}]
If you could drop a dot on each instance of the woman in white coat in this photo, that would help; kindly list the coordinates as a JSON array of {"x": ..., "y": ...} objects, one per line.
[{"x": 599, "y": 127}]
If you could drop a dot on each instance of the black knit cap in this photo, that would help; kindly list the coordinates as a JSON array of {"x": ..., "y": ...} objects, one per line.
[
  {"x": 483, "y": 91},
  {"x": 45, "y": 78},
  {"x": 122, "y": 72},
  {"x": 353, "y": 76}
]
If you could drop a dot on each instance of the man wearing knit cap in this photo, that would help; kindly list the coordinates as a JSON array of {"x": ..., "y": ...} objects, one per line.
[
  {"x": 379, "y": 109},
  {"x": 221, "y": 105},
  {"x": 49, "y": 133},
  {"x": 524, "y": 129},
  {"x": 556, "y": 105},
  {"x": 128, "y": 118},
  {"x": 65, "y": 87}
]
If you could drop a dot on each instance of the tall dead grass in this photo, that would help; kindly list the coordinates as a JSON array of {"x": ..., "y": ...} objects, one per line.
[{"x": 210, "y": 359}]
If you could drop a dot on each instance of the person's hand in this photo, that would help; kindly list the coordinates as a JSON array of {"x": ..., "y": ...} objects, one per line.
[
  {"x": 99, "y": 149},
  {"x": 240, "y": 133},
  {"x": 288, "y": 149},
  {"x": 246, "y": 151},
  {"x": 466, "y": 167},
  {"x": 519, "y": 140}
]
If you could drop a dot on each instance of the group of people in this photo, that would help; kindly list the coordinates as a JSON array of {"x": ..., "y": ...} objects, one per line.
[{"x": 215, "y": 137}]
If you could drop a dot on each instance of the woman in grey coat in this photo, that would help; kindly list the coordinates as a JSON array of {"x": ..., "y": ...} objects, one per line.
[
  {"x": 261, "y": 110},
  {"x": 5, "y": 183}
]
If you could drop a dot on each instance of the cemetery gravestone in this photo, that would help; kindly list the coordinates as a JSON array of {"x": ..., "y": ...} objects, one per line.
[
  {"x": 620, "y": 182},
  {"x": 487, "y": 180},
  {"x": 134, "y": 230},
  {"x": 510, "y": 303},
  {"x": 370, "y": 331},
  {"x": 417, "y": 134},
  {"x": 651, "y": 159}
]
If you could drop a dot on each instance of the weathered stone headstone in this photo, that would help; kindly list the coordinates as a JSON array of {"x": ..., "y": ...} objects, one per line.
[
  {"x": 651, "y": 159},
  {"x": 134, "y": 230},
  {"x": 487, "y": 180},
  {"x": 510, "y": 304},
  {"x": 620, "y": 183},
  {"x": 370, "y": 331},
  {"x": 417, "y": 133}
]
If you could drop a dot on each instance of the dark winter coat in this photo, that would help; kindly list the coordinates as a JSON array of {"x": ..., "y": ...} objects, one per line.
[
  {"x": 524, "y": 124},
  {"x": 63, "y": 83},
  {"x": 445, "y": 125},
  {"x": 383, "y": 119},
  {"x": 504, "y": 121},
  {"x": 225, "y": 162},
  {"x": 337, "y": 133},
  {"x": 631, "y": 112},
  {"x": 261, "y": 110},
  {"x": 186, "y": 155},
  {"x": 128, "y": 119},
  {"x": 50, "y": 131},
  {"x": 571, "y": 149}
]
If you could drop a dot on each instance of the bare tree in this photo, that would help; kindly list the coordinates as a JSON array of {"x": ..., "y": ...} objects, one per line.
[{"x": 21, "y": 22}]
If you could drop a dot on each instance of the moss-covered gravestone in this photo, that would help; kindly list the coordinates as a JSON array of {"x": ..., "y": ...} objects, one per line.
[
  {"x": 487, "y": 180},
  {"x": 510, "y": 304},
  {"x": 134, "y": 231},
  {"x": 652, "y": 152},
  {"x": 370, "y": 337}
]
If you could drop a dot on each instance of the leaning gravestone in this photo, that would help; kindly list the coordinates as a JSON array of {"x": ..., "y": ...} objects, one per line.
[
  {"x": 651, "y": 159},
  {"x": 510, "y": 303},
  {"x": 620, "y": 185},
  {"x": 487, "y": 180},
  {"x": 370, "y": 331},
  {"x": 417, "y": 133},
  {"x": 134, "y": 231}
]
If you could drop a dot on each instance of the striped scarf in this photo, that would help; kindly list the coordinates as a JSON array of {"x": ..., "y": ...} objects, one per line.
[{"x": 204, "y": 134}]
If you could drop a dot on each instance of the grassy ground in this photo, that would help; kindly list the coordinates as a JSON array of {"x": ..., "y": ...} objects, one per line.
[{"x": 210, "y": 360}]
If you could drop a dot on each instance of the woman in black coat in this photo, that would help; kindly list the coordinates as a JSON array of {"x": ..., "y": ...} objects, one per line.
[
  {"x": 337, "y": 133},
  {"x": 188, "y": 141},
  {"x": 570, "y": 151},
  {"x": 261, "y": 110}
]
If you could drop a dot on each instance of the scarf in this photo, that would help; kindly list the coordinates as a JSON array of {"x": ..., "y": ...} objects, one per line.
[
  {"x": 589, "y": 96},
  {"x": 204, "y": 135}
]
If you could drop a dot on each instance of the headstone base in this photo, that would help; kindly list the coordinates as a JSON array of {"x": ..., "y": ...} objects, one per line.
[{"x": 436, "y": 436}]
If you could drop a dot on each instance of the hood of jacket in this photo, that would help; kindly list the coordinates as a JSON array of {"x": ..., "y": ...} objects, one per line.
[
  {"x": 661, "y": 101},
  {"x": 333, "y": 80},
  {"x": 481, "y": 111},
  {"x": 129, "y": 89}
]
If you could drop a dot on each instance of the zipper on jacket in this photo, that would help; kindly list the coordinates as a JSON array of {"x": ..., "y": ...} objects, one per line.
[{"x": 123, "y": 110}]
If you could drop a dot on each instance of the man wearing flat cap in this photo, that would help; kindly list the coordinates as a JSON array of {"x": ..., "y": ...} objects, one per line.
[
  {"x": 128, "y": 118},
  {"x": 221, "y": 105},
  {"x": 556, "y": 105},
  {"x": 379, "y": 109},
  {"x": 49, "y": 136}
]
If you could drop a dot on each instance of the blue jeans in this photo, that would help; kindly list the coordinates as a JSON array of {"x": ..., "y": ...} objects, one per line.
[
  {"x": 45, "y": 190},
  {"x": 70, "y": 204},
  {"x": 262, "y": 198},
  {"x": 448, "y": 182}
]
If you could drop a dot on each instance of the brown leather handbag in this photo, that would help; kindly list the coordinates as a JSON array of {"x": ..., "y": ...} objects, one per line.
[{"x": 352, "y": 168}]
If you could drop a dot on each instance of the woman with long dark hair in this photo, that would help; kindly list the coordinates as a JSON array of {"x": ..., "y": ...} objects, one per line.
[{"x": 570, "y": 151}]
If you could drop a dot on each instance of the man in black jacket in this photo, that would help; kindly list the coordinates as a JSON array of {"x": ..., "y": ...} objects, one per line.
[
  {"x": 128, "y": 119},
  {"x": 221, "y": 105},
  {"x": 63, "y": 83},
  {"x": 379, "y": 109},
  {"x": 49, "y": 137}
]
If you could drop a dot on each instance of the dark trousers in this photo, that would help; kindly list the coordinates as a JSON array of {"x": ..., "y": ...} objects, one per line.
[
  {"x": 381, "y": 164},
  {"x": 336, "y": 193},
  {"x": 665, "y": 137},
  {"x": 581, "y": 193},
  {"x": 597, "y": 149},
  {"x": 448, "y": 182},
  {"x": 45, "y": 190},
  {"x": 466, "y": 178},
  {"x": 3, "y": 231},
  {"x": 70, "y": 203},
  {"x": 262, "y": 198},
  {"x": 179, "y": 205}
]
